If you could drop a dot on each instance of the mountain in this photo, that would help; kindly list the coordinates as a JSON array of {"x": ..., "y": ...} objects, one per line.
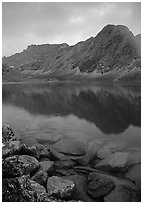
[{"x": 114, "y": 54}]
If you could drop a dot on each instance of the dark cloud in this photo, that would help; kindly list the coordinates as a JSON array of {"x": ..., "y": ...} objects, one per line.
[{"x": 37, "y": 23}]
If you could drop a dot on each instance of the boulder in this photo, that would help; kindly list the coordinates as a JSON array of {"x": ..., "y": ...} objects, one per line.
[
  {"x": 64, "y": 164},
  {"x": 134, "y": 174},
  {"x": 40, "y": 177},
  {"x": 19, "y": 165},
  {"x": 11, "y": 148},
  {"x": 90, "y": 155},
  {"x": 80, "y": 188},
  {"x": 17, "y": 190},
  {"x": 115, "y": 161},
  {"x": 16, "y": 148},
  {"x": 70, "y": 146},
  {"x": 117, "y": 181},
  {"x": 43, "y": 151},
  {"x": 99, "y": 186},
  {"x": 7, "y": 134},
  {"x": 47, "y": 166},
  {"x": 107, "y": 149},
  {"x": 120, "y": 194},
  {"x": 59, "y": 187}
]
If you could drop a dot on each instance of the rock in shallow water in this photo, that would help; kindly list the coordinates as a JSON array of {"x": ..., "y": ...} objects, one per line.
[
  {"x": 59, "y": 187},
  {"x": 57, "y": 156},
  {"x": 19, "y": 165},
  {"x": 99, "y": 186},
  {"x": 64, "y": 164},
  {"x": 134, "y": 158},
  {"x": 91, "y": 154},
  {"x": 70, "y": 146},
  {"x": 115, "y": 161},
  {"x": 107, "y": 149},
  {"x": 120, "y": 194},
  {"x": 134, "y": 174}
]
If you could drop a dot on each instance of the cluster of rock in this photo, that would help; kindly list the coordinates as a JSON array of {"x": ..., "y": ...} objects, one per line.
[{"x": 68, "y": 171}]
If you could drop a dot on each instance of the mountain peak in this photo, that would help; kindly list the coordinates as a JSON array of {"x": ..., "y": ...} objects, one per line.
[{"x": 114, "y": 48}]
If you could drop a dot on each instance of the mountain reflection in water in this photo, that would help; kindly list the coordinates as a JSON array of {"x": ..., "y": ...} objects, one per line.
[{"x": 112, "y": 109}]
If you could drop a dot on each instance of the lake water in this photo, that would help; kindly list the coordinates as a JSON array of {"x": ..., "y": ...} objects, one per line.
[{"x": 49, "y": 112}]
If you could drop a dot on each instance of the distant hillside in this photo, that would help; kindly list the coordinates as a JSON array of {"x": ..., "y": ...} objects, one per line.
[{"x": 114, "y": 54}]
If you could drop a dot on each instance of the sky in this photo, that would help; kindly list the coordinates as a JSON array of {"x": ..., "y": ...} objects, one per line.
[{"x": 25, "y": 23}]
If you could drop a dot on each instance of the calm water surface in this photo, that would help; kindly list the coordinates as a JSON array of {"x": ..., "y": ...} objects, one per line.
[{"x": 48, "y": 112}]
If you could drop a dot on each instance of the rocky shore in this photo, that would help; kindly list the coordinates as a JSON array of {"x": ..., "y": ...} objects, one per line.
[{"x": 69, "y": 170}]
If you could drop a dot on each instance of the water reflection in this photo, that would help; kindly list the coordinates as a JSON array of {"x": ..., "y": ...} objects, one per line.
[{"x": 111, "y": 108}]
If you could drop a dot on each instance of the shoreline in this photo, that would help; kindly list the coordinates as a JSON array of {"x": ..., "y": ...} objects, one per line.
[{"x": 69, "y": 170}]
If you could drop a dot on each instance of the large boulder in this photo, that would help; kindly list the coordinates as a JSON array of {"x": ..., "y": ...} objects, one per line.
[
  {"x": 19, "y": 165},
  {"x": 120, "y": 194},
  {"x": 70, "y": 146},
  {"x": 80, "y": 188},
  {"x": 59, "y": 187},
  {"x": 17, "y": 190},
  {"x": 23, "y": 189},
  {"x": 134, "y": 174},
  {"x": 115, "y": 161},
  {"x": 99, "y": 186}
]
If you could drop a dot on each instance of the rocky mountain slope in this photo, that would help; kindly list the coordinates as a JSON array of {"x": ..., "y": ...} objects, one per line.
[{"x": 114, "y": 54}]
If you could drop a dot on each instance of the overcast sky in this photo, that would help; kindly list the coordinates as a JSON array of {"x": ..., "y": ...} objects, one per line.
[{"x": 38, "y": 23}]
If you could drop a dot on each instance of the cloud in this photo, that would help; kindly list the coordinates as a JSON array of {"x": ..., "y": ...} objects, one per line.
[{"x": 51, "y": 22}]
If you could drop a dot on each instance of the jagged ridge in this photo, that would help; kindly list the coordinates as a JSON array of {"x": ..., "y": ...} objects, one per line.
[{"x": 111, "y": 55}]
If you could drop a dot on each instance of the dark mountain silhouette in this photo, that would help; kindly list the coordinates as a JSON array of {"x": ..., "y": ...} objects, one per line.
[{"x": 114, "y": 54}]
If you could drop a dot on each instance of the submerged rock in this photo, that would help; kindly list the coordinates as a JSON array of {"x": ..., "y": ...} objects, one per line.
[
  {"x": 134, "y": 158},
  {"x": 64, "y": 164},
  {"x": 99, "y": 186},
  {"x": 19, "y": 165},
  {"x": 120, "y": 194},
  {"x": 57, "y": 156},
  {"x": 70, "y": 146},
  {"x": 59, "y": 187},
  {"x": 115, "y": 161},
  {"x": 134, "y": 174},
  {"x": 90, "y": 155},
  {"x": 107, "y": 149}
]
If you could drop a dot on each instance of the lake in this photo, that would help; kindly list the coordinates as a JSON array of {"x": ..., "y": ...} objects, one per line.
[{"x": 47, "y": 112}]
